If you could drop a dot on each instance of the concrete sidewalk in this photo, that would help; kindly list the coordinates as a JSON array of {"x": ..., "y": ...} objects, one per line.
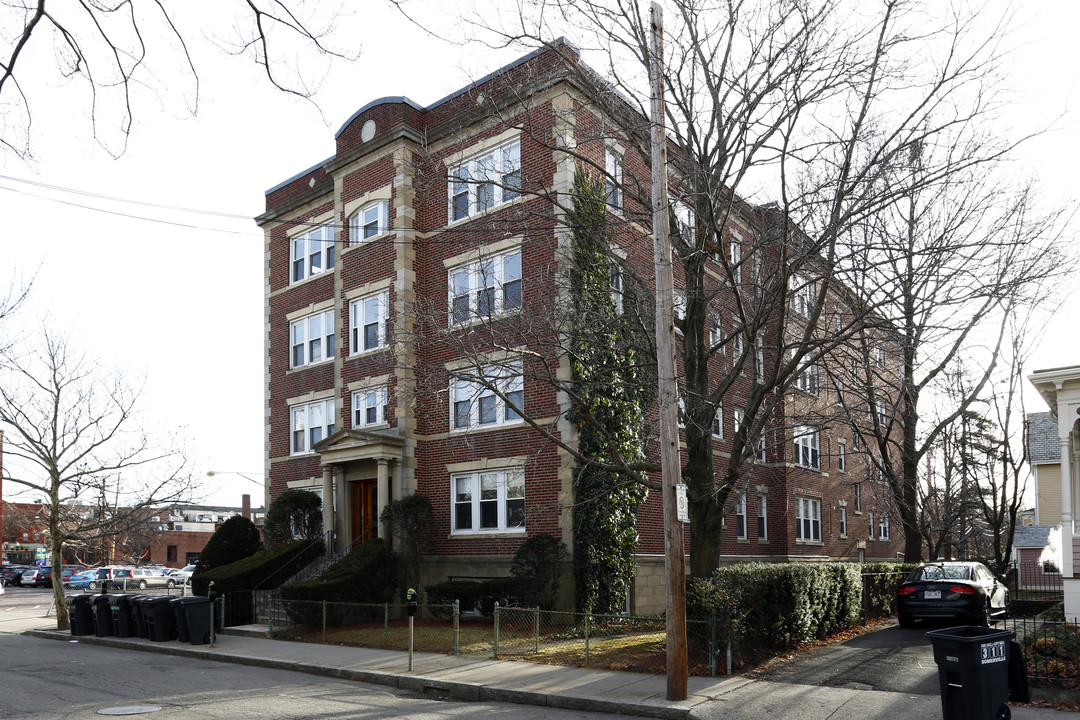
[{"x": 474, "y": 678}]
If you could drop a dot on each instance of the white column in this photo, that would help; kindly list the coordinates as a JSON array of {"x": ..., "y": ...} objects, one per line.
[
  {"x": 383, "y": 497},
  {"x": 328, "y": 501},
  {"x": 1068, "y": 531}
]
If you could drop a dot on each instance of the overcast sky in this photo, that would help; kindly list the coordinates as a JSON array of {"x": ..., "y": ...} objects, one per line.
[{"x": 179, "y": 295}]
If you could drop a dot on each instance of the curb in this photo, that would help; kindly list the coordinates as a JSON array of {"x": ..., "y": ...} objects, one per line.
[{"x": 456, "y": 690}]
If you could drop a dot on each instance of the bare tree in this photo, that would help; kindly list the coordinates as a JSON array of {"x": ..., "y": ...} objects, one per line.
[
  {"x": 72, "y": 436},
  {"x": 108, "y": 50},
  {"x": 803, "y": 104},
  {"x": 947, "y": 270}
]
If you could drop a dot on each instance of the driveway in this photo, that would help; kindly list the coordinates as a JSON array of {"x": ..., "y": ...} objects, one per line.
[{"x": 893, "y": 659}]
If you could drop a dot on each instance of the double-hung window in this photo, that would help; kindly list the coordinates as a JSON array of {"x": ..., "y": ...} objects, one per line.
[
  {"x": 369, "y": 221},
  {"x": 807, "y": 379},
  {"x": 613, "y": 178},
  {"x": 762, "y": 518},
  {"x": 841, "y": 456},
  {"x": 616, "y": 279},
  {"x": 736, "y": 346},
  {"x": 312, "y": 253},
  {"x": 759, "y": 358},
  {"x": 843, "y": 521},
  {"x": 485, "y": 181},
  {"x": 879, "y": 356},
  {"x": 684, "y": 220},
  {"x": 311, "y": 423},
  {"x": 883, "y": 526},
  {"x": 486, "y": 287},
  {"x": 740, "y": 518},
  {"x": 882, "y": 413},
  {"x": 803, "y": 295},
  {"x": 718, "y": 422},
  {"x": 369, "y": 317},
  {"x": 808, "y": 519},
  {"x": 492, "y": 400},
  {"x": 312, "y": 339},
  {"x": 736, "y": 261},
  {"x": 758, "y": 444},
  {"x": 856, "y": 495},
  {"x": 369, "y": 407},
  {"x": 489, "y": 501},
  {"x": 807, "y": 447}
]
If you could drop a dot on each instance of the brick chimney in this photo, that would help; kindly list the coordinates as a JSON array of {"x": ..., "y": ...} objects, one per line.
[{"x": 245, "y": 504}]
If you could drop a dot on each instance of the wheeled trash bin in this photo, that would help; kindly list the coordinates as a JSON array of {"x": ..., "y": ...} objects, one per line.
[
  {"x": 973, "y": 672},
  {"x": 80, "y": 615},
  {"x": 158, "y": 616},
  {"x": 103, "y": 620},
  {"x": 198, "y": 614},
  {"x": 124, "y": 624}
]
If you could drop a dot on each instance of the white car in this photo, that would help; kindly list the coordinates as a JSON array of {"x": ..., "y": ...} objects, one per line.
[
  {"x": 2, "y": 588},
  {"x": 184, "y": 572}
]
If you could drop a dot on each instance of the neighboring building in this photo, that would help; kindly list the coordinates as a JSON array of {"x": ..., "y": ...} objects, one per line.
[
  {"x": 376, "y": 262},
  {"x": 1060, "y": 388},
  {"x": 173, "y": 536}
]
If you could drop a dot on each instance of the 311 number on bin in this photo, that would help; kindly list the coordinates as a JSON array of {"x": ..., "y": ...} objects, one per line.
[{"x": 993, "y": 652}]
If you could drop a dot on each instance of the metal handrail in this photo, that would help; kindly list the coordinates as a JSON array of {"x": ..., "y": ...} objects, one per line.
[{"x": 325, "y": 540}]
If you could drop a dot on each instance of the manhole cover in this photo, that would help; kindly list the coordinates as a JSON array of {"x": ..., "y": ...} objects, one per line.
[{"x": 129, "y": 710}]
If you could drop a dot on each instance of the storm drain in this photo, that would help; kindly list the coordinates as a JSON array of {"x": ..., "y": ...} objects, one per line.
[
  {"x": 129, "y": 710},
  {"x": 422, "y": 696}
]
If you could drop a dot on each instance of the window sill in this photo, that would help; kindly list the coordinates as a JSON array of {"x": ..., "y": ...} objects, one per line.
[
  {"x": 301, "y": 368},
  {"x": 450, "y": 222},
  {"x": 482, "y": 534},
  {"x": 360, "y": 243},
  {"x": 809, "y": 542},
  {"x": 486, "y": 428},
  {"x": 476, "y": 320},
  {"x": 371, "y": 351}
]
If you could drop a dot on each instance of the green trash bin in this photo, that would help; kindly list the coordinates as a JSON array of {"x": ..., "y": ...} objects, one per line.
[
  {"x": 973, "y": 671},
  {"x": 103, "y": 618},
  {"x": 80, "y": 614}
]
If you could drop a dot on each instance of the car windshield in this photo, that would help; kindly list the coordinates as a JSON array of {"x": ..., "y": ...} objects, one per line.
[{"x": 943, "y": 572}]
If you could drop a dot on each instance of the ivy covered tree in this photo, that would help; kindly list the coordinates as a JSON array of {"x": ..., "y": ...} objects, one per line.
[{"x": 612, "y": 391}]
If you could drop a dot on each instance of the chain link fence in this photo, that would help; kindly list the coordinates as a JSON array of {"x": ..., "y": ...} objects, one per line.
[{"x": 616, "y": 642}]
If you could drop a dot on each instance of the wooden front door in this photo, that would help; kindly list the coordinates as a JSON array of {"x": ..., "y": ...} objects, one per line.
[{"x": 364, "y": 505}]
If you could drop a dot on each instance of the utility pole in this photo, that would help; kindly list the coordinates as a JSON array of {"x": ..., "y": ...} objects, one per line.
[{"x": 674, "y": 558}]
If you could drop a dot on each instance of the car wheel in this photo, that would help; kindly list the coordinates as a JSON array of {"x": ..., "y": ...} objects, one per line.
[
  {"x": 142, "y": 584},
  {"x": 906, "y": 621},
  {"x": 170, "y": 584},
  {"x": 93, "y": 586}
]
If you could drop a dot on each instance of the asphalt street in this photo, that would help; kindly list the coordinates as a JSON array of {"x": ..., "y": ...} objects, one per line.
[{"x": 46, "y": 679}]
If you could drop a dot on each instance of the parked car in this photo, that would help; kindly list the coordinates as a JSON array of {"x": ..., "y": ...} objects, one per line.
[
  {"x": 83, "y": 579},
  {"x": 141, "y": 578},
  {"x": 68, "y": 571},
  {"x": 184, "y": 572},
  {"x": 1, "y": 589},
  {"x": 36, "y": 576},
  {"x": 93, "y": 578},
  {"x": 967, "y": 591},
  {"x": 10, "y": 574}
]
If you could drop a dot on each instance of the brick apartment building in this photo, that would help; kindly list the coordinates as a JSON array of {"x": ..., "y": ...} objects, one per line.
[{"x": 399, "y": 240}]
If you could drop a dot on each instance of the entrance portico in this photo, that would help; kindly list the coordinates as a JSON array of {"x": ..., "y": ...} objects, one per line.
[
  {"x": 358, "y": 471},
  {"x": 1060, "y": 388}
]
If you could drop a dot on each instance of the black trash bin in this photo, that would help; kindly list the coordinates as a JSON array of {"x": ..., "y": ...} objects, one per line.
[
  {"x": 196, "y": 611},
  {"x": 158, "y": 615},
  {"x": 138, "y": 621},
  {"x": 103, "y": 619},
  {"x": 180, "y": 619},
  {"x": 124, "y": 625},
  {"x": 80, "y": 615},
  {"x": 973, "y": 671}
]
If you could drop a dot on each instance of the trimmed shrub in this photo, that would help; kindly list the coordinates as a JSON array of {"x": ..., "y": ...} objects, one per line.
[
  {"x": 294, "y": 515},
  {"x": 782, "y": 604},
  {"x": 265, "y": 571},
  {"x": 880, "y": 580},
  {"x": 236, "y": 539},
  {"x": 536, "y": 569},
  {"x": 368, "y": 574}
]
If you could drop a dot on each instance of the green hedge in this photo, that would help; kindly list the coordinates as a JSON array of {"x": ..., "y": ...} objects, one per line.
[
  {"x": 265, "y": 570},
  {"x": 782, "y": 604},
  {"x": 369, "y": 574},
  {"x": 880, "y": 580}
]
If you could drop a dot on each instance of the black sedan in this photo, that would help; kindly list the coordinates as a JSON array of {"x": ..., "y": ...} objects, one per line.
[
  {"x": 10, "y": 574},
  {"x": 967, "y": 591}
]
